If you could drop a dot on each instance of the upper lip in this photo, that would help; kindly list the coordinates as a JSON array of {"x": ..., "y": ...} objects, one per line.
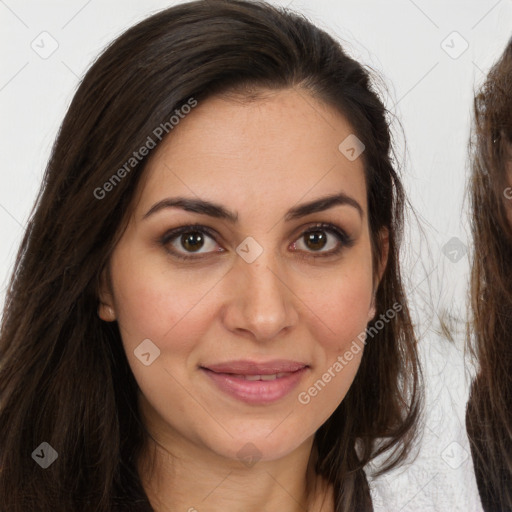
[{"x": 245, "y": 367}]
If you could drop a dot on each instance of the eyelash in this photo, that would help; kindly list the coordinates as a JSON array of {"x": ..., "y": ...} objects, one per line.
[{"x": 344, "y": 239}]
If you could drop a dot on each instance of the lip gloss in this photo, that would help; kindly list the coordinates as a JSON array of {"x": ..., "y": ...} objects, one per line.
[{"x": 256, "y": 391}]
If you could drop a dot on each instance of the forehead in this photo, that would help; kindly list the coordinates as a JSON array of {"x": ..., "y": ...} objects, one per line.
[{"x": 278, "y": 149}]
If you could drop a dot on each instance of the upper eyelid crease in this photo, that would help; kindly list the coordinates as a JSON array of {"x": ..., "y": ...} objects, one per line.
[{"x": 217, "y": 211}]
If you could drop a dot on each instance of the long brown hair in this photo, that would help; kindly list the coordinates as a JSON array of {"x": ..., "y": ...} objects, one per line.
[
  {"x": 64, "y": 377},
  {"x": 489, "y": 414}
]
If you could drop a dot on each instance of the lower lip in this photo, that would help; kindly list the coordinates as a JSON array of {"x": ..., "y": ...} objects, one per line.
[{"x": 256, "y": 391}]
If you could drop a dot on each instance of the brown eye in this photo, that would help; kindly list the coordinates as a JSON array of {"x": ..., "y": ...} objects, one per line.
[
  {"x": 322, "y": 240},
  {"x": 187, "y": 240},
  {"x": 315, "y": 240},
  {"x": 192, "y": 241}
]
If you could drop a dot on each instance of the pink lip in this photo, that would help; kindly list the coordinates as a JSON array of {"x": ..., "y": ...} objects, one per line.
[
  {"x": 244, "y": 367},
  {"x": 257, "y": 391}
]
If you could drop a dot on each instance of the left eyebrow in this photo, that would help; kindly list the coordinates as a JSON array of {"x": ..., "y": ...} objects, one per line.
[{"x": 324, "y": 203}]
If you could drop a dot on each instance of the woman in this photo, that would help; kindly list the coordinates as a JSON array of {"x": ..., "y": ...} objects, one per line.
[
  {"x": 207, "y": 306},
  {"x": 489, "y": 411}
]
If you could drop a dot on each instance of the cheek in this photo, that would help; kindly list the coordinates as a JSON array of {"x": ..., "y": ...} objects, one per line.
[
  {"x": 170, "y": 313},
  {"x": 337, "y": 353},
  {"x": 340, "y": 329},
  {"x": 337, "y": 319},
  {"x": 340, "y": 306},
  {"x": 348, "y": 308},
  {"x": 151, "y": 304}
]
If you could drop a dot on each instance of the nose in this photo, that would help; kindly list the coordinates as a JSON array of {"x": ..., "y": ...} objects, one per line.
[{"x": 260, "y": 300}]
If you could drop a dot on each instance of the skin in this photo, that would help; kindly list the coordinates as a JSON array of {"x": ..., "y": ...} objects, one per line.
[{"x": 257, "y": 158}]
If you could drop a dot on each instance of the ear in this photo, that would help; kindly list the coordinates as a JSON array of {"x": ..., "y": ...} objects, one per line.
[
  {"x": 383, "y": 261},
  {"x": 106, "y": 310}
]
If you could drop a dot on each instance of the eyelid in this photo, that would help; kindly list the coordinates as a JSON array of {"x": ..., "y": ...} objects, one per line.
[{"x": 344, "y": 239}]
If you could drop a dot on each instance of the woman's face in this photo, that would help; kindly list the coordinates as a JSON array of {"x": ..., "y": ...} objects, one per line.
[{"x": 251, "y": 293}]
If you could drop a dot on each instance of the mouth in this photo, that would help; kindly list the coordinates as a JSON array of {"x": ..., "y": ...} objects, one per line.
[
  {"x": 256, "y": 383},
  {"x": 247, "y": 367},
  {"x": 272, "y": 376}
]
